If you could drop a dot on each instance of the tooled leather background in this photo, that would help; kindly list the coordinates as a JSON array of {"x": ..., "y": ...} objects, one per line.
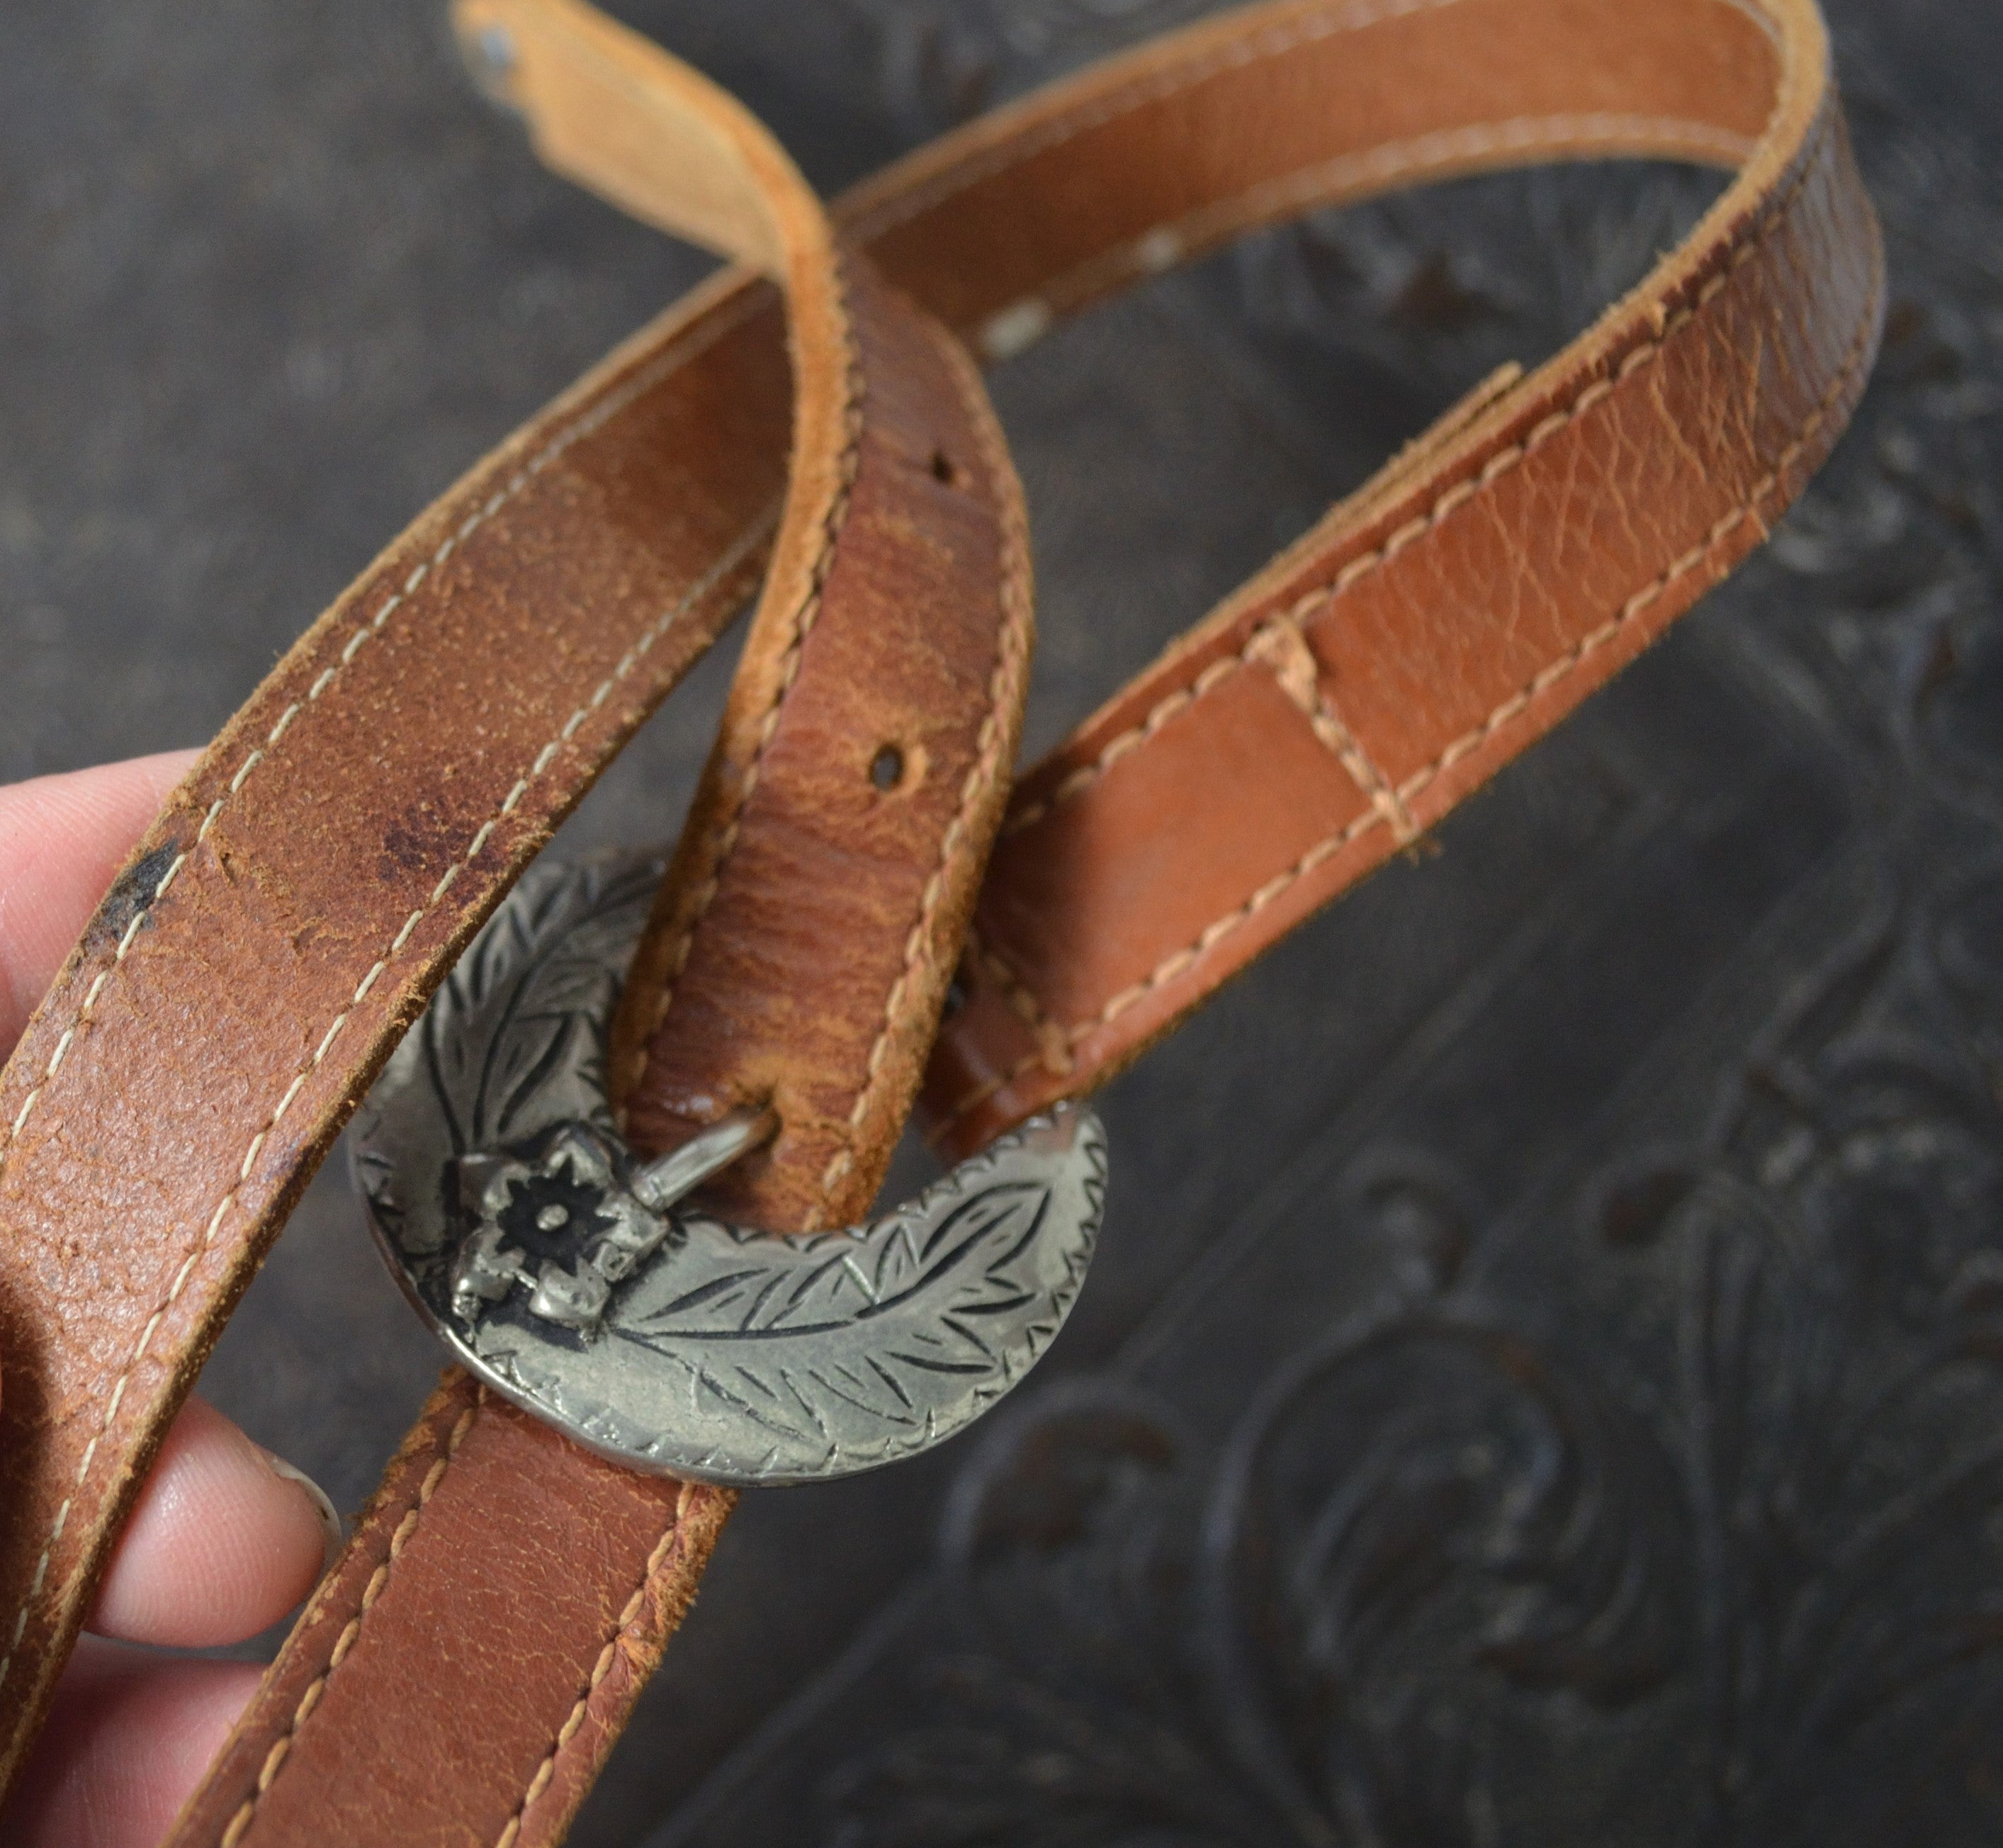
[{"x": 1542, "y": 1376}]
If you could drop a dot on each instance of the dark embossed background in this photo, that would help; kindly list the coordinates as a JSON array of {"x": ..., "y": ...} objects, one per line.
[{"x": 1544, "y": 1380}]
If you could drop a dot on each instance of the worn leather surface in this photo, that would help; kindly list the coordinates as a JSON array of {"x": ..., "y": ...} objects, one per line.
[
  {"x": 447, "y": 688},
  {"x": 486, "y": 1500},
  {"x": 1452, "y": 610},
  {"x": 1801, "y": 299},
  {"x": 773, "y": 974},
  {"x": 841, "y": 1070},
  {"x": 310, "y": 923}
]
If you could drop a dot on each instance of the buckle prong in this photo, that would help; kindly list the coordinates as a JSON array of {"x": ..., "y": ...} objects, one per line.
[
  {"x": 671, "y": 1177},
  {"x": 575, "y": 1278}
]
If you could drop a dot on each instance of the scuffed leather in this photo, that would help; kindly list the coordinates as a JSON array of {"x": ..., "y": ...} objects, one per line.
[
  {"x": 226, "y": 1008},
  {"x": 376, "y": 796},
  {"x": 808, "y": 931},
  {"x": 1423, "y": 634},
  {"x": 389, "y": 1718},
  {"x": 808, "y": 928}
]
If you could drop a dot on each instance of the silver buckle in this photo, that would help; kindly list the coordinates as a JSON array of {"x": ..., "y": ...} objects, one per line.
[{"x": 570, "y": 1277}]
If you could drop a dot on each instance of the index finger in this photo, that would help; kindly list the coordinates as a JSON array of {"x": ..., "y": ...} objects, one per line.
[{"x": 62, "y": 841}]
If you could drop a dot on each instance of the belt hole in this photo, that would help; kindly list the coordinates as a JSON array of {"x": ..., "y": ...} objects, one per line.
[
  {"x": 887, "y": 767},
  {"x": 943, "y": 469}
]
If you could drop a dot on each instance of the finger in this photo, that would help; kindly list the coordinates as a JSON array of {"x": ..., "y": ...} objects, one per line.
[
  {"x": 62, "y": 840},
  {"x": 224, "y": 1540},
  {"x": 128, "y": 1737}
]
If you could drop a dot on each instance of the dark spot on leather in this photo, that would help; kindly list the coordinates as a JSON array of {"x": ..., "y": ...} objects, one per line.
[
  {"x": 421, "y": 843},
  {"x": 403, "y": 849},
  {"x": 130, "y": 894}
]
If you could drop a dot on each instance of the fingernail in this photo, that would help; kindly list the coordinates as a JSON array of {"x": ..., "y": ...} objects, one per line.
[{"x": 330, "y": 1522}]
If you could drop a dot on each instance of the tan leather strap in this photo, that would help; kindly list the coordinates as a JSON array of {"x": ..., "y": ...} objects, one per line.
[
  {"x": 895, "y": 625},
  {"x": 1289, "y": 749},
  {"x": 1449, "y": 613},
  {"x": 330, "y": 856},
  {"x": 909, "y": 630},
  {"x": 1484, "y": 573}
]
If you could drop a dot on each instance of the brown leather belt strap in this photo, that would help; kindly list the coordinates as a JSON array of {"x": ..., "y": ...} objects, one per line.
[
  {"x": 1454, "y": 608},
  {"x": 919, "y": 555},
  {"x": 332, "y": 853},
  {"x": 328, "y": 859},
  {"x": 895, "y": 618}
]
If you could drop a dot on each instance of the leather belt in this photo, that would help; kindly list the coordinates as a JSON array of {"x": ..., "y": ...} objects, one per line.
[{"x": 504, "y": 1597}]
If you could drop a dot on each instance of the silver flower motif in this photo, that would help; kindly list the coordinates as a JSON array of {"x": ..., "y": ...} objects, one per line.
[{"x": 561, "y": 1222}]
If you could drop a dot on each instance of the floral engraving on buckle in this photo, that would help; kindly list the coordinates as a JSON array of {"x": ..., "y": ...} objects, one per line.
[
  {"x": 577, "y": 1279},
  {"x": 559, "y": 1224}
]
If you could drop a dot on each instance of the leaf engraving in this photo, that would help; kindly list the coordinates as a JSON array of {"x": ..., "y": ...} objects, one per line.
[
  {"x": 513, "y": 1039},
  {"x": 708, "y": 1349},
  {"x": 512, "y": 1042},
  {"x": 856, "y": 1342}
]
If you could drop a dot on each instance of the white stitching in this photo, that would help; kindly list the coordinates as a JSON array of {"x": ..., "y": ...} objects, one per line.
[
  {"x": 281, "y": 1748},
  {"x": 1447, "y": 503},
  {"x": 539, "y": 1780},
  {"x": 876, "y": 221},
  {"x": 733, "y": 556},
  {"x": 1286, "y": 650},
  {"x": 684, "y": 351},
  {"x": 1158, "y": 86},
  {"x": 803, "y": 618},
  {"x": 1004, "y": 686},
  {"x": 1470, "y": 741}
]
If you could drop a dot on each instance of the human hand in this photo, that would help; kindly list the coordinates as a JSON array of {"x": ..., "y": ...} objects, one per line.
[{"x": 224, "y": 1540}]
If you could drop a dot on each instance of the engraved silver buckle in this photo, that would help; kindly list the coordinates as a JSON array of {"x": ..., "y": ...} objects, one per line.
[{"x": 569, "y": 1275}]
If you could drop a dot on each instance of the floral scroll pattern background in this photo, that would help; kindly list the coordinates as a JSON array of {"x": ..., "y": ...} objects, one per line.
[{"x": 1544, "y": 1375}]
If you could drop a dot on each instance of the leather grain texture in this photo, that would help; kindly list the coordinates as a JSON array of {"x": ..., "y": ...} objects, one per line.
[
  {"x": 1452, "y": 611},
  {"x": 833, "y": 1042},
  {"x": 807, "y": 932},
  {"x": 314, "y": 921},
  {"x": 809, "y": 928},
  {"x": 488, "y": 1501},
  {"x": 340, "y": 843}
]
